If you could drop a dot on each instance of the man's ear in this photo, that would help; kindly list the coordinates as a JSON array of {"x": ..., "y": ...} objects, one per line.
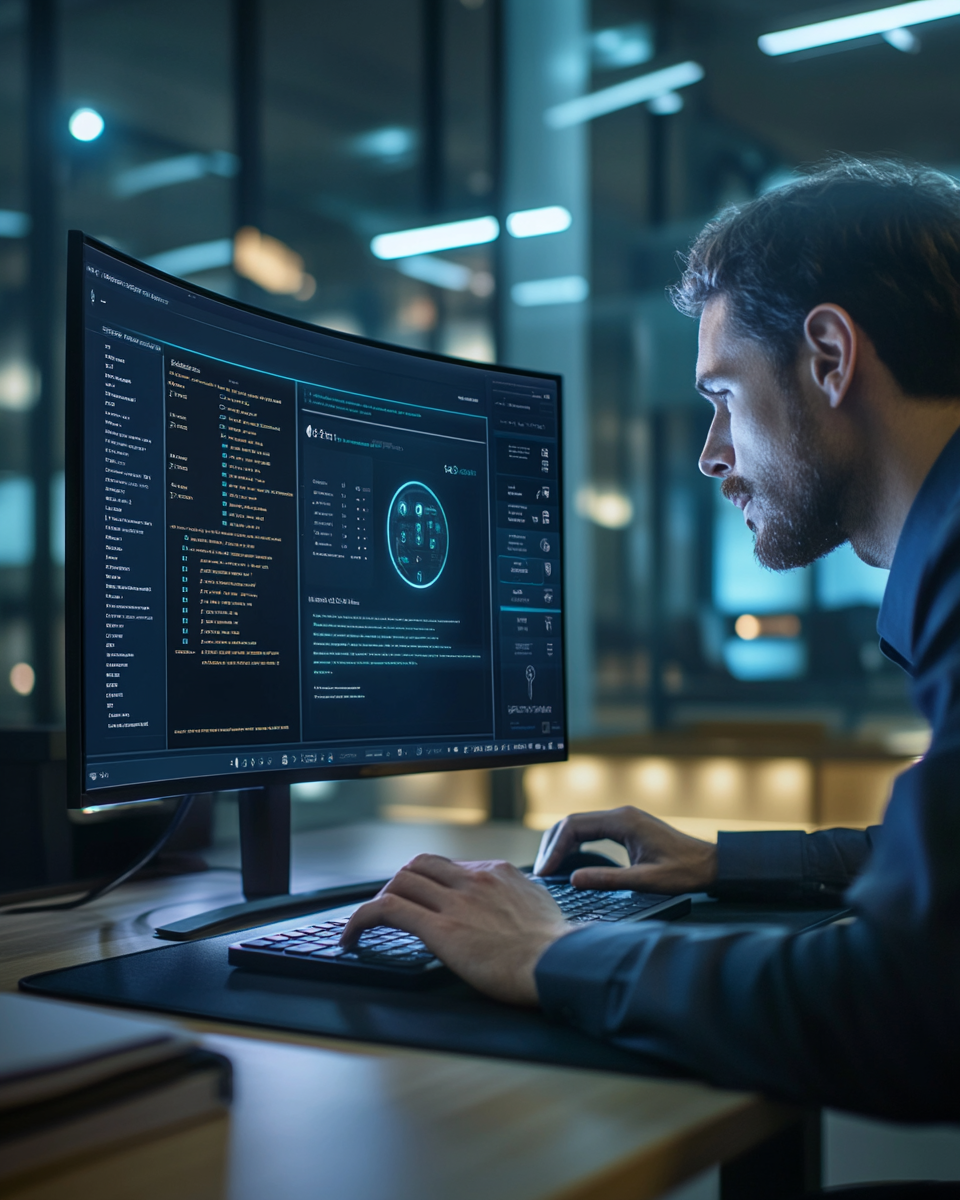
[{"x": 832, "y": 339}]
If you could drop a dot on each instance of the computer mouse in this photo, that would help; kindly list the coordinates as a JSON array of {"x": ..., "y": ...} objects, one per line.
[{"x": 583, "y": 858}]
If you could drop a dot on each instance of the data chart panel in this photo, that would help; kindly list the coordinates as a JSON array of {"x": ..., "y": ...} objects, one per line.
[{"x": 417, "y": 534}]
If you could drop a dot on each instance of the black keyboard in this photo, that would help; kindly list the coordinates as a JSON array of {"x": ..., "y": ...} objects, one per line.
[{"x": 389, "y": 958}]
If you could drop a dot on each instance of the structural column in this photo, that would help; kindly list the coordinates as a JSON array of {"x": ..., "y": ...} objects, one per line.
[
  {"x": 432, "y": 157},
  {"x": 544, "y": 48},
  {"x": 247, "y": 119},
  {"x": 45, "y": 253}
]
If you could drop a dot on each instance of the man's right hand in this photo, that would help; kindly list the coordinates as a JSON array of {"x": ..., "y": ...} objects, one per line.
[{"x": 661, "y": 858}]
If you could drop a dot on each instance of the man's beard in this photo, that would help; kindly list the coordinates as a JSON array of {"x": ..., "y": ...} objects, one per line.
[{"x": 798, "y": 508}]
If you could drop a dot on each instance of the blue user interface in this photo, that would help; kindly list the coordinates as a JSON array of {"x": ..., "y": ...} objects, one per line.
[{"x": 306, "y": 552}]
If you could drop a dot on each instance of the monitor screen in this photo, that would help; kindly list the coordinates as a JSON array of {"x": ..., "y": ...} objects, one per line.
[{"x": 295, "y": 554}]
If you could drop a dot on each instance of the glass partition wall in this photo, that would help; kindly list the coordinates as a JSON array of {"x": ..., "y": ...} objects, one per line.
[{"x": 570, "y": 150}]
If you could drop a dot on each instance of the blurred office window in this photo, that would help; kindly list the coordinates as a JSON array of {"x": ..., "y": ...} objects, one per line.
[
  {"x": 688, "y": 627},
  {"x": 17, "y": 376},
  {"x": 157, "y": 180},
  {"x": 377, "y": 118},
  {"x": 261, "y": 148}
]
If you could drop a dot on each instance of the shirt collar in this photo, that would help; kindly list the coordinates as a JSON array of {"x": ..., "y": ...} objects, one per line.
[{"x": 937, "y": 495}]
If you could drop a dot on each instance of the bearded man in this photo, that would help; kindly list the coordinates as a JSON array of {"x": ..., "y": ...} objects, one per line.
[{"x": 830, "y": 351}]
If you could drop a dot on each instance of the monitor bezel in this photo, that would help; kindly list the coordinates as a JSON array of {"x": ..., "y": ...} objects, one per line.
[{"x": 77, "y": 796}]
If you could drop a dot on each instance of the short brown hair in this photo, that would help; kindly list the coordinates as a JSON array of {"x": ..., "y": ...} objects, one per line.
[{"x": 880, "y": 238}]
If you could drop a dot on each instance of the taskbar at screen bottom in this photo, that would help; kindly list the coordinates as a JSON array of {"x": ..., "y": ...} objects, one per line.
[{"x": 231, "y": 768}]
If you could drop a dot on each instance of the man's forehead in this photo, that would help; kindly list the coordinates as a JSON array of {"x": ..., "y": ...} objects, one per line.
[
  {"x": 724, "y": 353},
  {"x": 713, "y": 354}
]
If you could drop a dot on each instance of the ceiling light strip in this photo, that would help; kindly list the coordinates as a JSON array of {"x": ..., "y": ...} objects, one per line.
[
  {"x": 428, "y": 239},
  {"x": 858, "y": 25},
  {"x": 623, "y": 95}
]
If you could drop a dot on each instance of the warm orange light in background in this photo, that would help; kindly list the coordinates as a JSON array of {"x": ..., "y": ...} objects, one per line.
[
  {"x": 587, "y": 777},
  {"x": 783, "y": 790},
  {"x": 719, "y": 785},
  {"x": 419, "y": 314},
  {"x": 458, "y": 798},
  {"x": 748, "y": 627},
  {"x": 22, "y": 678},
  {"x": 581, "y": 784},
  {"x": 653, "y": 782},
  {"x": 700, "y": 794},
  {"x": 271, "y": 264},
  {"x": 607, "y": 507}
]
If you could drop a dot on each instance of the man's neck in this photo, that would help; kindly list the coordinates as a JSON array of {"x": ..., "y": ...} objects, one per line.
[{"x": 904, "y": 439}]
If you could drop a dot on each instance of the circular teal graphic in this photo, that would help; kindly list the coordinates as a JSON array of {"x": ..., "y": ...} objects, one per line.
[{"x": 417, "y": 534}]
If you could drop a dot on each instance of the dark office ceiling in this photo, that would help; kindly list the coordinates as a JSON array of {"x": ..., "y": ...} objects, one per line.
[
  {"x": 334, "y": 73},
  {"x": 863, "y": 98},
  {"x": 754, "y": 118}
]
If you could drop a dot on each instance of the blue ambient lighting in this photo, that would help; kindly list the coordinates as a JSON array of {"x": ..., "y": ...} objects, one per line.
[
  {"x": 13, "y": 224},
  {"x": 534, "y": 222},
  {"x": 390, "y": 144},
  {"x": 623, "y": 95},
  {"x": 201, "y": 256},
  {"x": 902, "y": 40},
  {"x": 624, "y": 46},
  {"x": 565, "y": 289},
  {"x": 740, "y": 584},
  {"x": 859, "y": 25},
  {"x": 58, "y": 518},
  {"x": 165, "y": 172},
  {"x": 85, "y": 124},
  {"x": 16, "y": 521},
  {"x": 666, "y": 105},
  {"x": 437, "y": 271},
  {"x": 765, "y": 658},
  {"x": 843, "y": 580},
  {"x": 430, "y": 238}
]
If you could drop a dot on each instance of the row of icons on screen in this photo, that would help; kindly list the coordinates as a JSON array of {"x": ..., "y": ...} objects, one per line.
[{"x": 312, "y": 758}]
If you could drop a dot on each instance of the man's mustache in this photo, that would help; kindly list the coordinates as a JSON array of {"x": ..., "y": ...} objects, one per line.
[{"x": 735, "y": 487}]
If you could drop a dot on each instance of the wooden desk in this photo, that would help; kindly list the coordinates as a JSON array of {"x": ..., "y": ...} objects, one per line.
[{"x": 316, "y": 1117}]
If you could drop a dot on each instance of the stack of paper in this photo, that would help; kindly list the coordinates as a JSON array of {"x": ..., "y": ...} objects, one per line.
[{"x": 75, "y": 1080}]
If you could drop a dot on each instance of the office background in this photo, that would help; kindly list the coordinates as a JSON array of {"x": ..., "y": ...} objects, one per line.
[
  {"x": 321, "y": 125},
  {"x": 258, "y": 149}
]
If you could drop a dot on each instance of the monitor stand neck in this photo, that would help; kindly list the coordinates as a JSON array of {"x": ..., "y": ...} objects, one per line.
[
  {"x": 265, "y": 867},
  {"x": 265, "y": 841}
]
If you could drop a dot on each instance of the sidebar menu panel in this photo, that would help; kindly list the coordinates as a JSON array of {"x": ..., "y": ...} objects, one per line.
[
  {"x": 528, "y": 563},
  {"x": 233, "y": 670},
  {"x": 124, "y": 646}
]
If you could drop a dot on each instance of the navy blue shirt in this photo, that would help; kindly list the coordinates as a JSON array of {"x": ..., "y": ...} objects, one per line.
[{"x": 862, "y": 1015}]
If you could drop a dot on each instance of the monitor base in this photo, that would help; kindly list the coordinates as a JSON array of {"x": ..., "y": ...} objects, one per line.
[
  {"x": 266, "y": 909},
  {"x": 265, "y": 865}
]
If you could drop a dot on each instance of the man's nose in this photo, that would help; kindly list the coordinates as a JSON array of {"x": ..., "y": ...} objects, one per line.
[{"x": 717, "y": 458}]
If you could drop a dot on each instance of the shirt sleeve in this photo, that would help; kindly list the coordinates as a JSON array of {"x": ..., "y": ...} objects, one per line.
[
  {"x": 790, "y": 865},
  {"x": 859, "y": 1015}
]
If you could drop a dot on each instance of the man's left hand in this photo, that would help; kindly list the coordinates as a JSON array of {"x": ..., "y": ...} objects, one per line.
[{"x": 486, "y": 920}]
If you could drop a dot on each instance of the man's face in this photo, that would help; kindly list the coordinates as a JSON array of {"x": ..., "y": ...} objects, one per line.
[{"x": 767, "y": 448}]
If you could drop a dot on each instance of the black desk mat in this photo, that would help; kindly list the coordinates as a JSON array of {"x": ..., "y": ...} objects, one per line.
[{"x": 194, "y": 979}]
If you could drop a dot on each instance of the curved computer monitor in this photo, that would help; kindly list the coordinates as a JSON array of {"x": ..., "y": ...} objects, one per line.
[{"x": 294, "y": 554}]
